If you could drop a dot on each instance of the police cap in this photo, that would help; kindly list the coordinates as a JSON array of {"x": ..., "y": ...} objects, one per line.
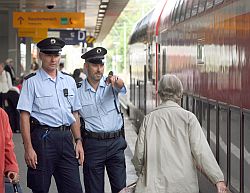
[
  {"x": 51, "y": 45},
  {"x": 95, "y": 55}
]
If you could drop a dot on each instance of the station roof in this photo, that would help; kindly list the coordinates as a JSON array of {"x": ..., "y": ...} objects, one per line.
[{"x": 93, "y": 10}]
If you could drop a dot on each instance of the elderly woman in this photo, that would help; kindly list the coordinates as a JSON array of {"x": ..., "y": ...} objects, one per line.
[{"x": 170, "y": 146}]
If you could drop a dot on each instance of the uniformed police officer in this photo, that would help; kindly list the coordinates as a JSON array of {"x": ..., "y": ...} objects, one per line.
[
  {"x": 104, "y": 141},
  {"x": 49, "y": 107}
]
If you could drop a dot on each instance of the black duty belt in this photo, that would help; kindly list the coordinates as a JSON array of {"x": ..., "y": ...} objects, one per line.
[
  {"x": 34, "y": 123},
  {"x": 60, "y": 128},
  {"x": 103, "y": 135}
]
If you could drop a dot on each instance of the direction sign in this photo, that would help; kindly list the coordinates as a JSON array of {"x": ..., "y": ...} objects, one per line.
[
  {"x": 32, "y": 32},
  {"x": 71, "y": 37},
  {"x": 48, "y": 20}
]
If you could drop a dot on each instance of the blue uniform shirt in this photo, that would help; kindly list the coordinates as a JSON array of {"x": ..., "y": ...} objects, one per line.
[
  {"x": 98, "y": 108},
  {"x": 44, "y": 98}
]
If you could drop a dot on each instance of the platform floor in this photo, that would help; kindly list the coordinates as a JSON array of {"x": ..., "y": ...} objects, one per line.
[{"x": 131, "y": 176}]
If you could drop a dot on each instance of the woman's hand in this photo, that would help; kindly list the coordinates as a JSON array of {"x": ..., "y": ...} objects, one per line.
[{"x": 221, "y": 187}]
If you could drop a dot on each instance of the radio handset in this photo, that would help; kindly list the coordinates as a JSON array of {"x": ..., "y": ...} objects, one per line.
[
  {"x": 108, "y": 80},
  {"x": 66, "y": 94}
]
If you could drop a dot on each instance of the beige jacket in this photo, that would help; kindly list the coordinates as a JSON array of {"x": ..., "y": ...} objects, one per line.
[{"x": 170, "y": 142}]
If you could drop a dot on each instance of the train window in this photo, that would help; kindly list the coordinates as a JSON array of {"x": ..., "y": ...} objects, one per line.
[
  {"x": 235, "y": 149},
  {"x": 194, "y": 7},
  {"x": 212, "y": 121},
  {"x": 164, "y": 62},
  {"x": 246, "y": 151},
  {"x": 190, "y": 104},
  {"x": 133, "y": 91},
  {"x": 199, "y": 110},
  {"x": 183, "y": 10},
  {"x": 174, "y": 12},
  {"x": 216, "y": 2},
  {"x": 202, "y": 4},
  {"x": 223, "y": 128},
  {"x": 189, "y": 9},
  {"x": 204, "y": 118},
  {"x": 178, "y": 12},
  {"x": 210, "y": 4},
  {"x": 149, "y": 66},
  {"x": 184, "y": 101},
  {"x": 200, "y": 54}
]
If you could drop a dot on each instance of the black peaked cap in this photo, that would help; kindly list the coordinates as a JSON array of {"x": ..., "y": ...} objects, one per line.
[
  {"x": 51, "y": 45},
  {"x": 95, "y": 55}
]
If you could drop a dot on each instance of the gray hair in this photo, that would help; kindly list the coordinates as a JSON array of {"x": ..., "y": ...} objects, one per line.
[{"x": 170, "y": 88}]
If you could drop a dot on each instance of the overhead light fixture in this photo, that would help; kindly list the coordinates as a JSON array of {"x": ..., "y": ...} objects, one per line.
[
  {"x": 105, "y": 1},
  {"x": 102, "y": 10},
  {"x": 100, "y": 15},
  {"x": 103, "y": 6}
]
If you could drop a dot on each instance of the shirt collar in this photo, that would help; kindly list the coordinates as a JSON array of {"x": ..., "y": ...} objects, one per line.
[
  {"x": 89, "y": 87},
  {"x": 45, "y": 75}
]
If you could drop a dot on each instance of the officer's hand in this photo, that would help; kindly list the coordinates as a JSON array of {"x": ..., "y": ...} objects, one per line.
[
  {"x": 79, "y": 152},
  {"x": 30, "y": 158},
  {"x": 112, "y": 80},
  {"x": 13, "y": 177}
]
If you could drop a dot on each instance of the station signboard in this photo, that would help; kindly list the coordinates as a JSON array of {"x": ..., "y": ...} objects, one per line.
[
  {"x": 71, "y": 37},
  {"x": 48, "y": 20}
]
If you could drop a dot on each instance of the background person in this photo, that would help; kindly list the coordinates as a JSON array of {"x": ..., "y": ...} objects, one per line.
[
  {"x": 49, "y": 107},
  {"x": 104, "y": 141},
  {"x": 9, "y": 67},
  {"x": 171, "y": 144},
  {"x": 5, "y": 79},
  {"x": 61, "y": 67},
  {"x": 8, "y": 162},
  {"x": 76, "y": 75},
  {"x": 34, "y": 66}
]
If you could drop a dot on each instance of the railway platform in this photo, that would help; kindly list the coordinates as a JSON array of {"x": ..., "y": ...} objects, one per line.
[{"x": 131, "y": 176}]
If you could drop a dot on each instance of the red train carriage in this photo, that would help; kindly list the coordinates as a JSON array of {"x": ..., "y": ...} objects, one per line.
[{"x": 206, "y": 43}]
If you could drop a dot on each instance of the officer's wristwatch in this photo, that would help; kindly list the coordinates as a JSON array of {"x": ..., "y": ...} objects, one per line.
[{"x": 78, "y": 139}]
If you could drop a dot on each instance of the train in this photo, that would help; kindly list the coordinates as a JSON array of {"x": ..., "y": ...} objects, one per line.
[{"x": 206, "y": 43}]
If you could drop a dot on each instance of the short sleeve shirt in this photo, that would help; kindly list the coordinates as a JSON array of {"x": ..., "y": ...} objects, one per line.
[
  {"x": 46, "y": 101},
  {"x": 98, "y": 108}
]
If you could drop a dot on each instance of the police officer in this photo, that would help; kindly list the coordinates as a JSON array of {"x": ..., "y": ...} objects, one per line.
[
  {"x": 49, "y": 107},
  {"x": 104, "y": 141}
]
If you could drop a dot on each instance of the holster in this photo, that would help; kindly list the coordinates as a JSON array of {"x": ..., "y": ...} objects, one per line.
[{"x": 33, "y": 124}]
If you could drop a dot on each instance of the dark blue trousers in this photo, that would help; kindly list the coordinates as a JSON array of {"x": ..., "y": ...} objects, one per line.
[
  {"x": 56, "y": 156},
  {"x": 99, "y": 154}
]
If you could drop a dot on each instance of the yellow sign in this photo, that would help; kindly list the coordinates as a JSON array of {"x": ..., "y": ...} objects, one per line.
[
  {"x": 90, "y": 39},
  {"x": 48, "y": 20},
  {"x": 32, "y": 32},
  {"x": 37, "y": 39}
]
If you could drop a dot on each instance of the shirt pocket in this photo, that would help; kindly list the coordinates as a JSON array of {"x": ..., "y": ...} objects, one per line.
[
  {"x": 89, "y": 109},
  {"x": 44, "y": 101},
  {"x": 108, "y": 105}
]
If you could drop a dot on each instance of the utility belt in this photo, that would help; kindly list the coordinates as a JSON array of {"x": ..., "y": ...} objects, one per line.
[
  {"x": 103, "y": 135},
  {"x": 34, "y": 124}
]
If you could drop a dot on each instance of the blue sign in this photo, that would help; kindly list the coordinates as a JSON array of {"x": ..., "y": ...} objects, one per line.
[{"x": 72, "y": 37}]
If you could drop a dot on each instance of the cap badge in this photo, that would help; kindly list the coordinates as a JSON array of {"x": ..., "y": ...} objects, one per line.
[
  {"x": 52, "y": 41},
  {"x": 98, "y": 50}
]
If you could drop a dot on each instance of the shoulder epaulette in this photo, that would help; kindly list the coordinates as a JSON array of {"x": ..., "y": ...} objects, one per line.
[
  {"x": 29, "y": 76},
  {"x": 65, "y": 73},
  {"x": 78, "y": 85}
]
